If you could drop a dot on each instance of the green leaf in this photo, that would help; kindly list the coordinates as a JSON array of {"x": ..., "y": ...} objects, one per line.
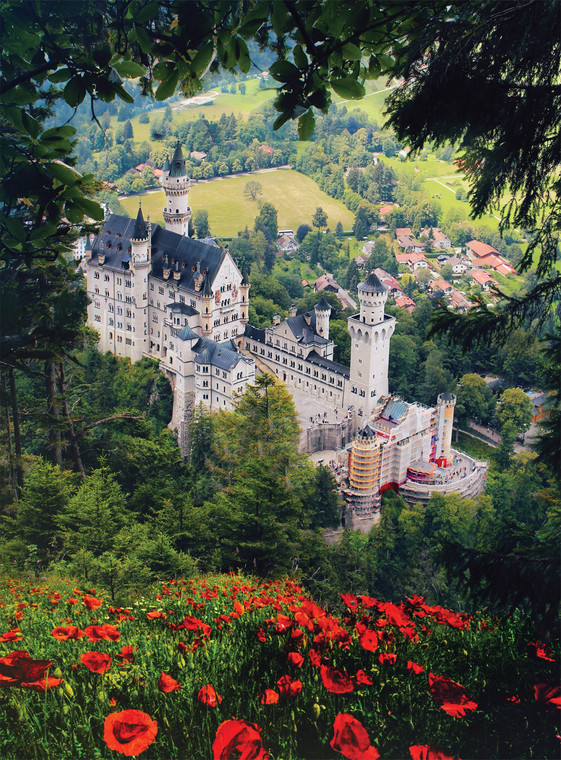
[
  {"x": 351, "y": 52},
  {"x": 162, "y": 70},
  {"x": 306, "y": 125},
  {"x": 75, "y": 91},
  {"x": 58, "y": 133},
  {"x": 63, "y": 173},
  {"x": 123, "y": 94},
  {"x": 73, "y": 212},
  {"x": 280, "y": 120},
  {"x": 147, "y": 13},
  {"x": 203, "y": 57},
  {"x": 348, "y": 87},
  {"x": 284, "y": 71},
  {"x": 32, "y": 126},
  {"x": 91, "y": 208},
  {"x": 19, "y": 96},
  {"x": 167, "y": 87},
  {"x": 280, "y": 18},
  {"x": 129, "y": 69},
  {"x": 14, "y": 227},
  {"x": 300, "y": 58},
  {"x": 143, "y": 39},
  {"x": 242, "y": 55},
  {"x": 62, "y": 75},
  {"x": 14, "y": 115},
  {"x": 254, "y": 19}
]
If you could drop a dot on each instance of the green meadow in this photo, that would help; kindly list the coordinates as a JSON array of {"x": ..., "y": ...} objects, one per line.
[
  {"x": 219, "y": 103},
  {"x": 295, "y": 197}
]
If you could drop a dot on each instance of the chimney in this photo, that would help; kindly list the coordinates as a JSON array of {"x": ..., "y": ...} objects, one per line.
[
  {"x": 176, "y": 273},
  {"x": 101, "y": 259},
  {"x": 276, "y": 320},
  {"x": 292, "y": 311},
  {"x": 165, "y": 270}
]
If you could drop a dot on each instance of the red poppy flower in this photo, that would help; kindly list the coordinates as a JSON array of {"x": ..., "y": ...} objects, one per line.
[
  {"x": 63, "y": 633},
  {"x": 289, "y": 687},
  {"x": 129, "y": 732},
  {"x": 387, "y": 658},
  {"x": 336, "y": 681},
  {"x": 315, "y": 658},
  {"x": 548, "y": 693},
  {"x": 42, "y": 684},
  {"x": 91, "y": 602},
  {"x": 155, "y": 614},
  {"x": 295, "y": 659},
  {"x": 167, "y": 683},
  {"x": 450, "y": 696},
  {"x": 104, "y": 632},
  {"x": 194, "y": 624},
  {"x": 239, "y": 740},
  {"x": 13, "y": 635},
  {"x": 351, "y": 739},
  {"x": 208, "y": 696},
  {"x": 97, "y": 662},
  {"x": 19, "y": 666},
  {"x": 541, "y": 651},
  {"x": 368, "y": 640},
  {"x": 427, "y": 752},
  {"x": 269, "y": 697},
  {"x": 415, "y": 667},
  {"x": 126, "y": 655},
  {"x": 350, "y": 601},
  {"x": 363, "y": 679},
  {"x": 283, "y": 623}
]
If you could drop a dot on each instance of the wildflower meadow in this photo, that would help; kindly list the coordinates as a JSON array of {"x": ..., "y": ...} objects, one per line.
[{"x": 232, "y": 668}]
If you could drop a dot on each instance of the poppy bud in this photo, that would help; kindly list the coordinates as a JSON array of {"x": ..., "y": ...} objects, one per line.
[
  {"x": 65, "y": 710},
  {"x": 57, "y": 673},
  {"x": 101, "y": 696},
  {"x": 316, "y": 710},
  {"x": 181, "y": 661}
]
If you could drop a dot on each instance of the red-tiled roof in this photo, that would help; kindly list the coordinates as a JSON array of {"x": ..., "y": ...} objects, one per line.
[{"x": 480, "y": 249}]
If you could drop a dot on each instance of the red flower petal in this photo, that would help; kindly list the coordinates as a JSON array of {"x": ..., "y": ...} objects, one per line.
[
  {"x": 97, "y": 662},
  {"x": 237, "y": 740},
  {"x": 351, "y": 739},
  {"x": 167, "y": 683},
  {"x": 208, "y": 696},
  {"x": 450, "y": 696},
  {"x": 269, "y": 697},
  {"x": 336, "y": 681},
  {"x": 428, "y": 752},
  {"x": 129, "y": 732},
  {"x": 548, "y": 693}
]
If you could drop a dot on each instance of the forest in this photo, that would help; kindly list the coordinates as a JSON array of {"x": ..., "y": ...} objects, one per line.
[{"x": 111, "y": 513}]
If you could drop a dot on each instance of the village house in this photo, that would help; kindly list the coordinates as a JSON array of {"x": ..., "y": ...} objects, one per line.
[
  {"x": 442, "y": 285},
  {"x": 483, "y": 279},
  {"x": 389, "y": 281},
  {"x": 459, "y": 266},
  {"x": 288, "y": 244},
  {"x": 405, "y": 240},
  {"x": 326, "y": 282},
  {"x": 459, "y": 302},
  {"x": 439, "y": 239},
  {"x": 405, "y": 303},
  {"x": 412, "y": 260}
]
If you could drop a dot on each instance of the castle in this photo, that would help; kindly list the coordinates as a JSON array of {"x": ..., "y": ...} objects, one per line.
[{"x": 156, "y": 292}]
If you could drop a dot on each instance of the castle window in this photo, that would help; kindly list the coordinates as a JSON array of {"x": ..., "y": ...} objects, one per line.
[
  {"x": 151, "y": 286},
  {"x": 353, "y": 390},
  {"x": 97, "y": 318},
  {"x": 144, "y": 296},
  {"x": 96, "y": 275},
  {"x": 171, "y": 293},
  {"x": 128, "y": 341},
  {"x": 106, "y": 278},
  {"x": 161, "y": 291},
  {"x": 128, "y": 283},
  {"x": 362, "y": 393},
  {"x": 315, "y": 373},
  {"x": 96, "y": 289},
  {"x": 110, "y": 336},
  {"x": 119, "y": 281},
  {"x": 110, "y": 322},
  {"x": 372, "y": 394}
]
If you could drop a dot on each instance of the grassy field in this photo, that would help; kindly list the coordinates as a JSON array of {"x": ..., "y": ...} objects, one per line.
[
  {"x": 474, "y": 447},
  {"x": 372, "y": 103},
  {"x": 295, "y": 196},
  {"x": 240, "y": 105}
]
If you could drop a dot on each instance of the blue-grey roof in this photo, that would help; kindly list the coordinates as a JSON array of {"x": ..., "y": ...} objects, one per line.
[
  {"x": 114, "y": 240},
  {"x": 182, "y": 308},
  {"x": 140, "y": 231},
  {"x": 209, "y": 352},
  {"x": 322, "y": 305},
  {"x": 320, "y": 361},
  {"x": 177, "y": 167},
  {"x": 305, "y": 333},
  {"x": 374, "y": 283},
  {"x": 186, "y": 333},
  {"x": 394, "y": 410},
  {"x": 255, "y": 333},
  {"x": 367, "y": 432}
]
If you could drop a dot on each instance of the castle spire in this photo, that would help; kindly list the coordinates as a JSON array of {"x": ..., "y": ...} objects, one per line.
[
  {"x": 177, "y": 168},
  {"x": 140, "y": 230}
]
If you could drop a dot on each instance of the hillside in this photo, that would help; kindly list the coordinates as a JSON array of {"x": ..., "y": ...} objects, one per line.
[
  {"x": 294, "y": 195},
  {"x": 232, "y": 667}
]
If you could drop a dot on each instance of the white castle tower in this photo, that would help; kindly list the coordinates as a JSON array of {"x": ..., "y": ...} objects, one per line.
[
  {"x": 176, "y": 184},
  {"x": 137, "y": 303},
  {"x": 445, "y": 405},
  {"x": 370, "y": 332},
  {"x": 322, "y": 310}
]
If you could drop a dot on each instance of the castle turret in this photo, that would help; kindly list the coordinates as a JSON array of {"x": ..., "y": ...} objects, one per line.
[
  {"x": 176, "y": 183},
  {"x": 322, "y": 310},
  {"x": 207, "y": 299},
  {"x": 363, "y": 494},
  {"x": 140, "y": 240},
  {"x": 445, "y": 405},
  {"x": 244, "y": 297},
  {"x": 370, "y": 332}
]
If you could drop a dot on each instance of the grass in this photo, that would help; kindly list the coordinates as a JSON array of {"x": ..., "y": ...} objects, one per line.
[
  {"x": 240, "y": 105},
  {"x": 73, "y": 665},
  {"x": 475, "y": 448},
  {"x": 295, "y": 196}
]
